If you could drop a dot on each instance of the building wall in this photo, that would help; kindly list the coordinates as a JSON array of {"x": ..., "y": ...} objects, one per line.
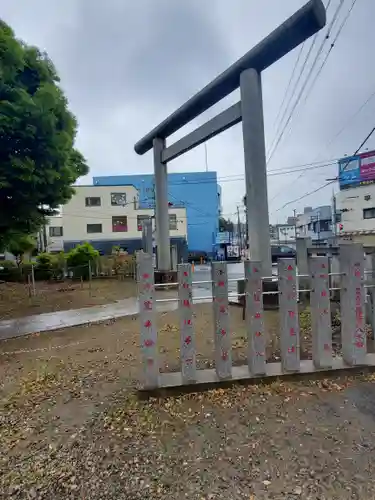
[
  {"x": 76, "y": 215},
  {"x": 286, "y": 233},
  {"x": 198, "y": 192},
  {"x": 351, "y": 203},
  {"x": 355, "y": 209},
  {"x": 308, "y": 222}
]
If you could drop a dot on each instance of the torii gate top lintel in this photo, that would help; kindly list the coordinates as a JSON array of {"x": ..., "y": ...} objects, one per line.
[{"x": 299, "y": 27}]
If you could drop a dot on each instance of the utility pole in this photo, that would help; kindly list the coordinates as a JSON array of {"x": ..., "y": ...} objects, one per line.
[
  {"x": 295, "y": 225},
  {"x": 239, "y": 231}
]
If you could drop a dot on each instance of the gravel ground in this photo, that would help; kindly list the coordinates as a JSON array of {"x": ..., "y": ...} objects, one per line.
[
  {"x": 72, "y": 426},
  {"x": 51, "y": 296}
]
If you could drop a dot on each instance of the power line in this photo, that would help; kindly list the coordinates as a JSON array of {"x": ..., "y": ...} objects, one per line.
[
  {"x": 350, "y": 119},
  {"x": 345, "y": 20},
  {"x": 294, "y": 90},
  {"x": 277, "y": 171},
  {"x": 302, "y": 89},
  {"x": 330, "y": 182},
  {"x": 288, "y": 86}
]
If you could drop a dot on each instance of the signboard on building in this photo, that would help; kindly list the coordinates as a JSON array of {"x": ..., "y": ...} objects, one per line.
[
  {"x": 357, "y": 170},
  {"x": 224, "y": 237}
]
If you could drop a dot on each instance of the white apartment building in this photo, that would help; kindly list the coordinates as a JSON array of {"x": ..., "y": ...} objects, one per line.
[
  {"x": 355, "y": 214},
  {"x": 108, "y": 216},
  {"x": 315, "y": 223},
  {"x": 283, "y": 234}
]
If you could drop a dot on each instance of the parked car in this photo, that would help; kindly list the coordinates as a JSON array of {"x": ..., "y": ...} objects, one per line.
[{"x": 281, "y": 252}]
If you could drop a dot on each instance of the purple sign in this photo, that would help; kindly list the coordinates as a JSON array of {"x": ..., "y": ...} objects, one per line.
[{"x": 367, "y": 166}]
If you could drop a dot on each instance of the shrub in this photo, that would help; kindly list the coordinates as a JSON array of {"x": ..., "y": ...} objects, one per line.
[
  {"x": 79, "y": 258},
  {"x": 50, "y": 266}
]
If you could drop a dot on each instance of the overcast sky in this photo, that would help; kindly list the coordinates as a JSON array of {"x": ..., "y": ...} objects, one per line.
[{"x": 126, "y": 65}]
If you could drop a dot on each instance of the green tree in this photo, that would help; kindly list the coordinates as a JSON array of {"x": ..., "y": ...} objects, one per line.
[
  {"x": 225, "y": 225},
  {"x": 79, "y": 258},
  {"x": 38, "y": 161},
  {"x": 21, "y": 244}
]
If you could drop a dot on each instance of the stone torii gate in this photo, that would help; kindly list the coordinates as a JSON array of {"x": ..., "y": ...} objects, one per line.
[{"x": 246, "y": 74}]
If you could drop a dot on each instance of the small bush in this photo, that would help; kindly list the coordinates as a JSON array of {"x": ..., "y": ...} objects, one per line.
[{"x": 78, "y": 259}]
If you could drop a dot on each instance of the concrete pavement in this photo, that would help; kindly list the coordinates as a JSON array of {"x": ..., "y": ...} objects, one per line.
[{"x": 63, "y": 319}]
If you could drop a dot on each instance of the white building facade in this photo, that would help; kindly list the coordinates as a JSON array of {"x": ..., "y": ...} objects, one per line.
[
  {"x": 355, "y": 214},
  {"x": 315, "y": 223},
  {"x": 108, "y": 216}
]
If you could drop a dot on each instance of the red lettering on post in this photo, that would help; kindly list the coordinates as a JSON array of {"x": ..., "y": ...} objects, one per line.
[
  {"x": 186, "y": 273},
  {"x": 258, "y": 334},
  {"x": 223, "y": 309},
  {"x": 148, "y": 343},
  {"x": 220, "y": 283},
  {"x": 224, "y": 355},
  {"x": 186, "y": 303},
  {"x": 145, "y": 276},
  {"x": 290, "y": 268},
  {"x": 187, "y": 322},
  {"x": 291, "y": 349},
  {"x": 292, "y": 332},
  {"x": 257, "y": 316},
  {"x": 291, "y": 314},
  {"x": 324, "y": 293},
  {"x": 148, "y": 324},
  {"x": 147, "y": 305},
  {"x": 188, "y": 340}
]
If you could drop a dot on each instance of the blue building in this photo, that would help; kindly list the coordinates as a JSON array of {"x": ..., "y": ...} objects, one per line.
[{"x": 198, "y": 192}]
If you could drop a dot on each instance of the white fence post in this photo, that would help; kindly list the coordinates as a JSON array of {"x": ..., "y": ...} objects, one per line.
[
  {"x": 321, "y": 330},
  {"x": 352, "y": 298},
  {"x": 188, "y": 348},
  {"x": 149, "y": 348},
  {"x": 223, "y": 344},
  {"x": 254, "y": 318},
  {"x": 289, "y": 326}
]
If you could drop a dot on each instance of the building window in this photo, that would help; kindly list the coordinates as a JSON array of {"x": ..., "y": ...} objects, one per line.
[
  {"x": 140, "y": 219},
  {"x": 55, "y": 231},
  {"x": 369, "y": 213},
  {"x": 173, "y": 222},
  {"x": 119, "y": 224},
  {"x": 93, "y": 201},
  {"x": 94, "y": 228},
  {"x": 118, "y": 199}
]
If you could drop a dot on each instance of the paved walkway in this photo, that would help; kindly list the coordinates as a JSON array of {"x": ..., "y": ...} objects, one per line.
[
  {"x": 19, "y": 327},
  {"x": 63, "y": 319}
]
